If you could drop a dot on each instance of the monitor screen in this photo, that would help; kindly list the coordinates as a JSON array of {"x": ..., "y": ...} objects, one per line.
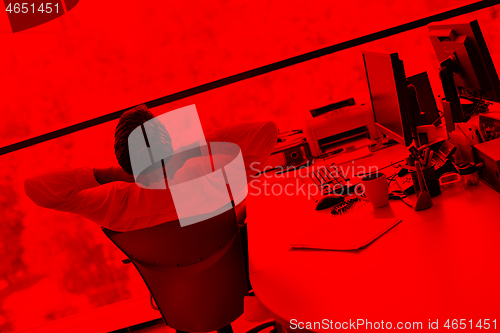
[{"x": 387, "y": 85}]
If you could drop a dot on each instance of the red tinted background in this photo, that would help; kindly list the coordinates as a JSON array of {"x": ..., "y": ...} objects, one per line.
[{"x": 104, "y": 56}]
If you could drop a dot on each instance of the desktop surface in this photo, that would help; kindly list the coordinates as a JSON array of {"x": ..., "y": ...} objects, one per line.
[{"x": 440, "y": 263}]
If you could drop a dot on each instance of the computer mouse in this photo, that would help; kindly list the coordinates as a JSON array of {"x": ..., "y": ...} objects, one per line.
[{"x": 328, "y": 201}]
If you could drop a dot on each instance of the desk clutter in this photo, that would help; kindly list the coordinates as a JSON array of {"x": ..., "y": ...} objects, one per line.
[
  {"x": 429, "y": 171},
  {"x": 331, "y": 180}
]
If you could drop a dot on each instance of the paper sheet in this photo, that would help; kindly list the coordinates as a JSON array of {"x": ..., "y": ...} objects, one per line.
[{"x": 345, "y": 234}]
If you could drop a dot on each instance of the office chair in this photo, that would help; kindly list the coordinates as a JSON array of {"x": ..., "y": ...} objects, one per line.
[{"x": 195, "y": 273}]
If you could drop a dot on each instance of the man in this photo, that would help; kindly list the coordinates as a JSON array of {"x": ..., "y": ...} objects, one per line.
[{"x": 109, "y": 196}]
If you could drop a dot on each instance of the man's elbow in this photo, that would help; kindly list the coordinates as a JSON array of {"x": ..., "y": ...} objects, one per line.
[
  {"x": 271, "y": 133},
  {"x": 33, "y": 190},
  {"x": 272, "y": 128}
]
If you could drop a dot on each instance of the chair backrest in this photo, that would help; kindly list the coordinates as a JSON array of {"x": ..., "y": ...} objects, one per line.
[
  {"x": 169, "y": 244},
  {"x": 195, "y": 273}
]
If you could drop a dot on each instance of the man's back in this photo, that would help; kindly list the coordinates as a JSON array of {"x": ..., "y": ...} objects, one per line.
[{"x": 123, "y": 206}]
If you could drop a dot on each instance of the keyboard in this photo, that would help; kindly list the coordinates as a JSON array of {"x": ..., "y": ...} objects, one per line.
[{"x": 331, "y": 180}]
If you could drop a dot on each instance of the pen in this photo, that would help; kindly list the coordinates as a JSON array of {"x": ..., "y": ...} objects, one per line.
[
  {"x": 420, "y": 177},
  {"x": 411, "y": 160},
  {"x": 416, "y": 154},
  {"x": 426, "y": 156},
  {"x": 431, "y": 154}
]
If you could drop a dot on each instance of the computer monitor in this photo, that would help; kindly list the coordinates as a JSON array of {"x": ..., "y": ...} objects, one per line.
[
  {"x": 388, "y": 93},
  {"x": 426, "y": 100},
  {"x": 467, "y": 70}
]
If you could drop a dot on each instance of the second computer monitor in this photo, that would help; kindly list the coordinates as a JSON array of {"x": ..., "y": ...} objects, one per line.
[
  {"x": 475, "y": 75},
  {"x": 426, "y": 101},
  {"x": 388, "y": 93}
]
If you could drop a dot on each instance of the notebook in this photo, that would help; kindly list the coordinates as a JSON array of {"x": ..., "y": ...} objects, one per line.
[{"x": 343, "y": 234}]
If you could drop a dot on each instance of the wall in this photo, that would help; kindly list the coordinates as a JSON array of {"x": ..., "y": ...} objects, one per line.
[{"x": 107, "y": 55}]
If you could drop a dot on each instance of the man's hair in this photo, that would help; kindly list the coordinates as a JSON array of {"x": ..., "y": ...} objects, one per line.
[{"x": 129, "y": 121}]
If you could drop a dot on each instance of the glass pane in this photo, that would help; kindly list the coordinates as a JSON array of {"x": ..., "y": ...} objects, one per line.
[
  {"x": 56, "y": 264},
  {"x": 89, "y": 63}
]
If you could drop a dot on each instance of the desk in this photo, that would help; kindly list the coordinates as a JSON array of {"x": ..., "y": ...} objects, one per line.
[{"x": 441, "y": 263}]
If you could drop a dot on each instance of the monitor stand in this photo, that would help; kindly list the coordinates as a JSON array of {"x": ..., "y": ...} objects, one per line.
[
  {"x": 414, "y": 112},
  {"x": 452, "y": 107}
]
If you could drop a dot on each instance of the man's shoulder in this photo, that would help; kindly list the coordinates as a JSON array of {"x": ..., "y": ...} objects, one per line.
[{"x": 199, "y": 166}]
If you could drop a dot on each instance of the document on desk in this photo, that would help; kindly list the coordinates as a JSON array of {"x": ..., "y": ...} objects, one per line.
[{"x": 345, "y": 234}]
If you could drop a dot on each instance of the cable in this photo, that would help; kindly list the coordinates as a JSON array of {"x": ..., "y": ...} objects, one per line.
[
  {"x": 290, "y": 133},
  {"x": 477, "y": 105},
  {"x": 391, "y": 178},
  {"x": 435, "y": 121}
]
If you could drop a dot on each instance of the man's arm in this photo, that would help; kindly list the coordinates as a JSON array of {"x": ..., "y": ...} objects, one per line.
[
  {"x": 54, "y": 189},
  {"x": 112, "y": 174},
  {"x": 256, "y": 140},
  {"x": 116, "y": 204},
  {"x": 179, "y": 158}
]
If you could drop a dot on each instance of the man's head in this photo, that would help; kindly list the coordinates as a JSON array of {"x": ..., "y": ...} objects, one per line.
[{"x": 130, "y": 120}]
